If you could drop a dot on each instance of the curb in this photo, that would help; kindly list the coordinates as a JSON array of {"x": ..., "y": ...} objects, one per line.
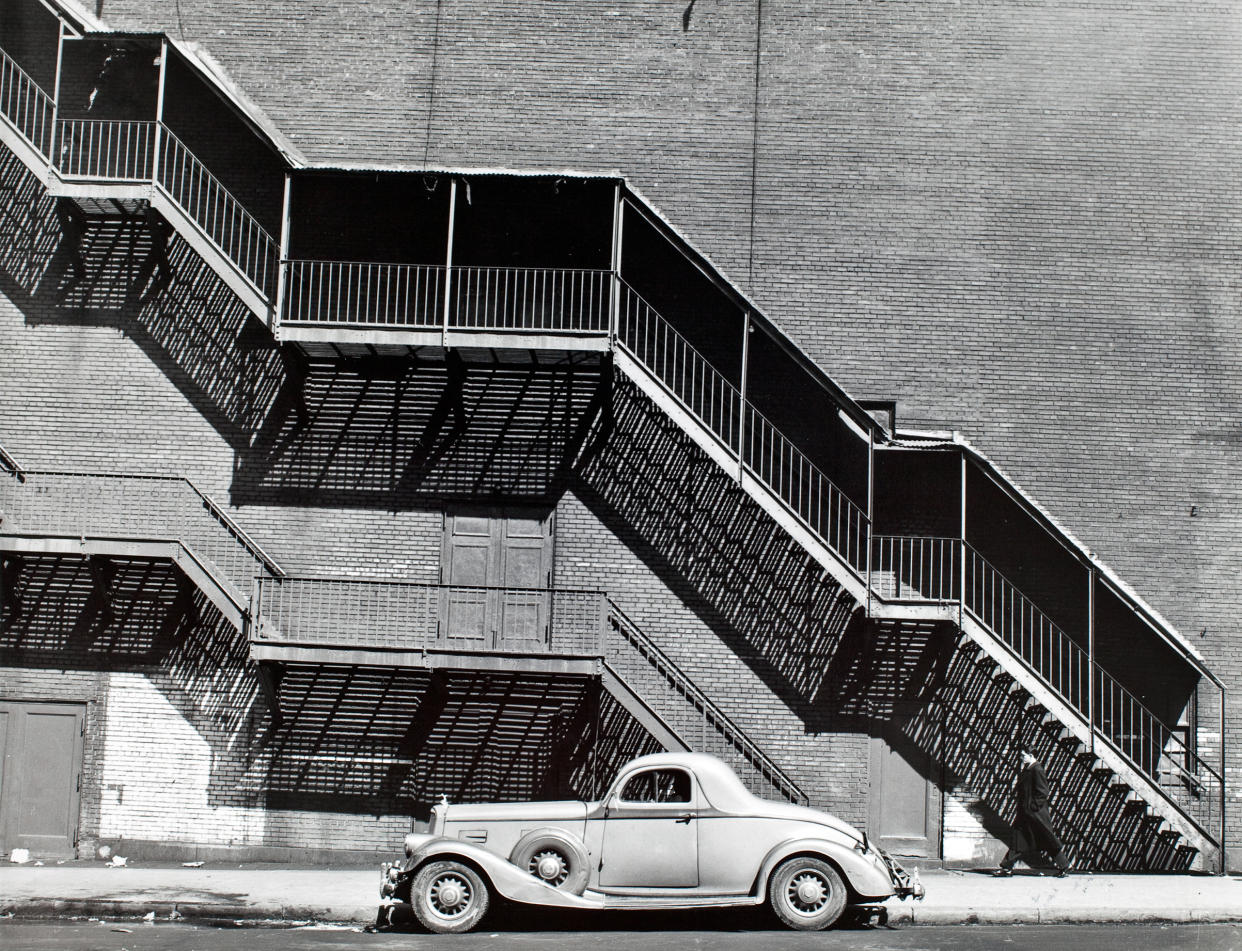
[
  {"x": 179, "y": 910},
  {"x": 1062, "y": 916}
]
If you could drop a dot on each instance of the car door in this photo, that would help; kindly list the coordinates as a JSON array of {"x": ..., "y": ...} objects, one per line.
[{"x": 651, "y": 832}]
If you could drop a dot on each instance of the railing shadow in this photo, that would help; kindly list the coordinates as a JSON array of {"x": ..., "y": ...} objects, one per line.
[
  {"x": 140, "y": 616},
  {"x": 348, "y": 741},
  {"x": 391, "y": 742}
]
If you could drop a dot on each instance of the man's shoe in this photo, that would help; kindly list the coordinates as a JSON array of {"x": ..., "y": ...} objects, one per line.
[
  {"x": 1002, "y": 872},
  {"x": 1062, "y": 872}
]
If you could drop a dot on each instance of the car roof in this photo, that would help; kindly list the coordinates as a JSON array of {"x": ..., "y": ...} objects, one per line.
[{"x": 716, "y": 777}]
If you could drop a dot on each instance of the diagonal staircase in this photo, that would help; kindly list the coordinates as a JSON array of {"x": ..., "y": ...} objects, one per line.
[{"x": 164, "y": 517}]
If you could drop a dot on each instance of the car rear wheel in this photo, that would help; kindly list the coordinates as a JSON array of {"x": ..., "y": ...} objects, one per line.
[
  {"x": 554, "y": 859},
  {"x": 449, "y": 897},
  {"x": 807, "y": 893}
]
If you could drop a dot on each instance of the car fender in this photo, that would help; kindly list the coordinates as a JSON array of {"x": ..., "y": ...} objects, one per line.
[
  {"x": 505, "y": 878},
  {"x": 864, "y": 872}
]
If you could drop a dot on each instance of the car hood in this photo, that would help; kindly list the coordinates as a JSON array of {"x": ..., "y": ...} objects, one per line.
[{"x": 572, "y": 810}]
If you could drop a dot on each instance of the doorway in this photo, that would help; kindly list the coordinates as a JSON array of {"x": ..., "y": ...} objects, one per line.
[
  {"x": 904, "y": 817},
  {"x": 40, "y": 777}
]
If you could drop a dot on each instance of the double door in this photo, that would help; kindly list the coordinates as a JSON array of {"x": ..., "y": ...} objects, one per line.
[{"x": 497, "y": 568}]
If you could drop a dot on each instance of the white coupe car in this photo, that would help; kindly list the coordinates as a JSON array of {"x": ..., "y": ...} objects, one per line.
[{"x": 676, "y": 830}]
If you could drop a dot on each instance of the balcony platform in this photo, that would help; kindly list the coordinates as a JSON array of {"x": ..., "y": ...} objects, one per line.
[
  {"x": 429, "y": 659},
  {"x": 353, "y": 340}
]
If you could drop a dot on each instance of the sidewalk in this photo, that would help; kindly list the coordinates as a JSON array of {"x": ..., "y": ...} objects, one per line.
[{"x": 351, "y": 895}]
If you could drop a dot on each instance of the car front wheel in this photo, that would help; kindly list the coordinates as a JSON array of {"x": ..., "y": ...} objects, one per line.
[
  {"x": 449, "y": 897},
  {"x": 806, "y": 893}
]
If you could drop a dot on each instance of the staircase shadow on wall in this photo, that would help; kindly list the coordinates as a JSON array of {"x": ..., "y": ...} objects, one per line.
[
  {"x": 120, "y": 267},
  {"x": 970, "y": 720},
  {"x": 779, "y": 612},
  {"x": 378, "y": 431}
]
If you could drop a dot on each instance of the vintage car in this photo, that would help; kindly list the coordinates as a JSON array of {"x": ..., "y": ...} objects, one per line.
[{"x": 675, "y": 830}]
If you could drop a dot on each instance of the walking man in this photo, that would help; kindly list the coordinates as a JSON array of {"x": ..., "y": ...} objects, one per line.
[{"x": 1032, "y": 830}]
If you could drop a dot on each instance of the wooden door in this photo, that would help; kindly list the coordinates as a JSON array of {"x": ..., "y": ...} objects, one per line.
[
  {"x": 904, "y": 816},
  {"x": 498, "y": 565},
  {"x": 39, "y": 778}
]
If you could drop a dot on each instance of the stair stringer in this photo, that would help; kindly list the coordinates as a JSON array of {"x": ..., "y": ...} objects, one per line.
[
  {"x": 1143, "y": 786},
  {"x": 211, "y": 254},
  {"x": 28, "y": 154},
  {"x": 640, "y": 710},
  {"x": 829, "y": 560}
]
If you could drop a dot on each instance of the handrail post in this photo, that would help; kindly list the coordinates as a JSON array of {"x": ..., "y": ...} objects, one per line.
[
  {"x": 448, "y": 260},
  {"x": 60, "y": 58},
  {"x": 1223, "y": 800},
  {"x": 870, "y": 508},
  {"x": 741, "y": 408},
  {"x": 283, "y": 265},
  {"x": 1091, "y": 652},
  {"x": 614, "y": 303},
  {"x": 961, "y": 594},
  {"x": 256, "y": 608},
  {"x": 159, "y": 114}
]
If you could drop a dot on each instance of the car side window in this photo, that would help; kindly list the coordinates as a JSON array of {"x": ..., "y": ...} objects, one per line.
[{"x": 657, "y": 785}]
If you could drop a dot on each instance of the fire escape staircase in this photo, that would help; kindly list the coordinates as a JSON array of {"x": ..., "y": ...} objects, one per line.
[
  {"x": 375, "y": 623},
  {"x": 831, "y": 528},
  {"x": 132, "y": 516}
]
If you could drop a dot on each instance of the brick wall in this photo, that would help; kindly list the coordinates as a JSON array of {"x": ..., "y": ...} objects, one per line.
[{"x": 1015, "y": 219}]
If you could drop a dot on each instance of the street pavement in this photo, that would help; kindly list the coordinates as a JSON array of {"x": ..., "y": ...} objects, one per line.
[
  {"x": 254, "y": 893},
  {"x": 85, "y": 935}
]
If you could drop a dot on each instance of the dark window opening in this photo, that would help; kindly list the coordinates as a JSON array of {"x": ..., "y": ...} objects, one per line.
[{"x": 658, "y": 785}]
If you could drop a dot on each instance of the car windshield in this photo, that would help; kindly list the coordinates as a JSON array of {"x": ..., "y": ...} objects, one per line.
[{"x": 658, "y": 785}]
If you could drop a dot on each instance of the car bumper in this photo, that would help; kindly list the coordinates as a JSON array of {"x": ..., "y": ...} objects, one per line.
[{"x": 905, "y": 884}]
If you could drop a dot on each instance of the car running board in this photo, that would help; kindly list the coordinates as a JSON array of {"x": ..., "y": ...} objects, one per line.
[{"x": 669, "y": 902}]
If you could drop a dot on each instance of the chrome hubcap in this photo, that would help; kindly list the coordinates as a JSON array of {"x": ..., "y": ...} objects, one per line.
[
  {"x": 450, "y": 896},
  {"x": 807, "y": 893},
  {"x": 550, "y": 866}
]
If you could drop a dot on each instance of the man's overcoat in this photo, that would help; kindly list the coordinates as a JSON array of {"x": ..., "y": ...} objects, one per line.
[{"x": 1033, "y": 828}]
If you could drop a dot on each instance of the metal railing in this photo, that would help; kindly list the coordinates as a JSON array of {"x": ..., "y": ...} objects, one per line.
[
  {"x": 803, "y": 487},
  {"x": 915, "y": 567},
  {"x": 135, "y": 507},
  {"x": 1112, "y": 712},
  {"x": 709, "y": 729},
  {"x": 718, "y": 405},
  {"x": 406, "y": 615},
  {"x": 535, "y": 300},
  {"x": 371, "y": 295},
  {"x": 684, "y": 371},
  {"x": 27, "y": 107},
  {"x": 106, "y": 149},
  {"x": 1015, "y": 620},
  {"x": 221, "y": 216}
]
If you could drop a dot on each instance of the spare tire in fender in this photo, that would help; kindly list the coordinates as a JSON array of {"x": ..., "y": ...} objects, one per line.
[{"x": 553, "y": 857}]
